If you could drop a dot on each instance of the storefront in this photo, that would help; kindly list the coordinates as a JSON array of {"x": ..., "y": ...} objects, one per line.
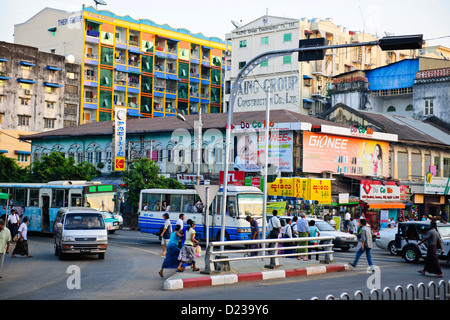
[{"x": 380, "y": 201}]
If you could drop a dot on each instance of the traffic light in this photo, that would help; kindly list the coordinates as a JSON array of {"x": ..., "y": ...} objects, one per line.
[
  {"x": 401, "y": 42},
  {"x": 315, "y": 54}
]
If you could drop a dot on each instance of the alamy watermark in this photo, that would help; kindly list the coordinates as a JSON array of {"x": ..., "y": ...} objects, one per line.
[{"x": 74, "y": 280}]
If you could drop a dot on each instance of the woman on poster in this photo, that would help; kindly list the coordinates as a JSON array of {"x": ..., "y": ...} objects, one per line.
[{"x": 376, "y": 160}]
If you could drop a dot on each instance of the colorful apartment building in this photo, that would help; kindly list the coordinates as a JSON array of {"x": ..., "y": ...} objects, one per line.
[{"x": 153, "y": 70}]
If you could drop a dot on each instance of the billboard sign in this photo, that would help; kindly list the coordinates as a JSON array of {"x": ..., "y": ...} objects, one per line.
[
  {"x": 437, "y": 185},
  {"x": 375, "y": 191},
  {"x": 347, "y": 155},
  {"x": 119, "y": 138},
  {"x": 249, "y": 150}
]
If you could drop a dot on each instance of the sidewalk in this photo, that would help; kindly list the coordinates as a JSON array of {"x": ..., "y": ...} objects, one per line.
[{"x": 249, "y": 270}]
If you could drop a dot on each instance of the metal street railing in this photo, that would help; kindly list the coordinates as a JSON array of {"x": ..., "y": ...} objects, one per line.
[
  {"x": 432, "y": 291},
  {"x": 324, "y": 243}
]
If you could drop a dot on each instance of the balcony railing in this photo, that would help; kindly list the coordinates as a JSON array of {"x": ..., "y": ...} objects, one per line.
[
  {"x": 90, "y": 100},
  {"x": 92, "y": 56},
  {"x": 90, "y": 78}
]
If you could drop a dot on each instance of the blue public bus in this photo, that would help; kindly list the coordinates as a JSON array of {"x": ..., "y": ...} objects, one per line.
[
  {"x": 241, "y": 202},
  {"x": 40, "y": 202}
]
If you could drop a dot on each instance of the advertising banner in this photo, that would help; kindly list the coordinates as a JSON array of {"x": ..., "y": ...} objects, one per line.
[
  {"x": 376, "y": 191},
  {"x": 249, "y": 150},
  {"x": 119, "y": 138},
  {"x": 281, "y": 187},
  {"x": 235, "y": 178},
  {"x": 305, "y": 188},
  {"x": 437, "y": 185},
  {"x": 339, "y": 154},
  {"x": 320, "y": 190},
  {"x": 279, "y": 206}
]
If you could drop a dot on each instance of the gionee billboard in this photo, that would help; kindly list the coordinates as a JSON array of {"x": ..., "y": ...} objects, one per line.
[{"x": 347, "y": 155}]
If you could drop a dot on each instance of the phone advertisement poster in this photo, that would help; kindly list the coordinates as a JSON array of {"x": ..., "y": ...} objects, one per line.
[{"x": 347, "y": 155}]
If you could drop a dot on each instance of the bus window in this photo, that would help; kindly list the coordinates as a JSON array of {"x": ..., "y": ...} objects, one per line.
[
  {"x": 151, "y": 202},
  {"x": 188, "y": 203},
  {"x": 250, "y": 204},
  {"x": 75, "y": 200},
  {"x": 34, "y": 197},
  {"x": 19, "y": 197},
  {"x": 3, "y": 202},
  {"x": 231, "y": 206},
  {"x": 174, "y": 203},
  {"x": 59, "y": 198}
]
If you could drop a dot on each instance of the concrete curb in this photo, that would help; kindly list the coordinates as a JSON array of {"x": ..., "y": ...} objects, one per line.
[{"x": 225, "y": 279}]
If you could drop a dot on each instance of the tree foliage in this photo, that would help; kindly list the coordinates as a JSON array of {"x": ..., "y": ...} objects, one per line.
[
  {"x": 143, "y": 174},
  {"x": 56, "y": 167},
  {"x": 10, "y": 171}
]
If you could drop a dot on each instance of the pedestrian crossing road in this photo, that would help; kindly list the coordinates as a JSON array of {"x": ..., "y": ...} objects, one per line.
[{"x": 380, "y": 257}]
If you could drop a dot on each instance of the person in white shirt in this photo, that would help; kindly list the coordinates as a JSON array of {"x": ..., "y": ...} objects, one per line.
[
  {"x": 165, "y": 235},
  {"x": 5, "y": 239},
  {"x": 180, "y": 221},
  {"x": 274, "y": 226},
  {"x": 22, "y": 245},
  {"x": 347, "y": 221},
  {"x": 13, "y": 223}
]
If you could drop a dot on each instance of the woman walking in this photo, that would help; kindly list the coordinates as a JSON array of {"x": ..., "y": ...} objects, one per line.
[
  {"x": 171, "y": 260},
  {"x": 21, "y": 247},
  {"x": 432, "y": 264},
  {"x": 187, "y": 253}
]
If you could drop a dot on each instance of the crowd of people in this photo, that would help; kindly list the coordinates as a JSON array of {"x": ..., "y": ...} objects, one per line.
[{"x": 180, "y": 247}]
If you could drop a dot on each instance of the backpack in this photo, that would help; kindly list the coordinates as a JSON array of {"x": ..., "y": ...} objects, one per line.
[{"x": 167, "y": 233}]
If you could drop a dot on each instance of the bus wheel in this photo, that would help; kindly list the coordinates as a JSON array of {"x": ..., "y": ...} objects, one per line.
[{"x": 227, "y": 236}]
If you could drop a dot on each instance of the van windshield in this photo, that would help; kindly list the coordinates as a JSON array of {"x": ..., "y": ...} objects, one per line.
[
  {"x": 444, "y": 231},
  {"x": 84, "y": 221}
]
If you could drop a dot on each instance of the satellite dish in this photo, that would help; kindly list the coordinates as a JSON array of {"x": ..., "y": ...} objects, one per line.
[
  {"x": 70, "y": 58},
  {"x": 99, "y": 2},
  {"x": 236, "y": 24}
]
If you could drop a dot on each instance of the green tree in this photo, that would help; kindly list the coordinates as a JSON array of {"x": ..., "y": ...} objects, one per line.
[
  {"x": 10, "y": 171},
  {"x": 143, "y": 174},
  {"x": 56, "y": 167}
]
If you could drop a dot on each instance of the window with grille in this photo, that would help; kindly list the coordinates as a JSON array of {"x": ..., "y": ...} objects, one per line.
[{"x": 287, "y": 37}]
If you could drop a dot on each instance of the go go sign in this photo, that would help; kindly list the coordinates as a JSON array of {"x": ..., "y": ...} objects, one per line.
[{"x": 256, "y": 125}]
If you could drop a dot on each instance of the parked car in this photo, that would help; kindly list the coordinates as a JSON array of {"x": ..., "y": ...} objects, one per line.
[
  {"x": 79, "y": 230},
  {"x": 412, "y": 232},
  {"x": 342, "y": 240},
  {"x": 385, "y": 239}
]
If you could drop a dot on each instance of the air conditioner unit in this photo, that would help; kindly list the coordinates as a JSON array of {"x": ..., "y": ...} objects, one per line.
[{"x": 27, "y": 91}]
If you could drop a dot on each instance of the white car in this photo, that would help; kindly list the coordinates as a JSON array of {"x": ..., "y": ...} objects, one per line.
[
  {"x": 342, "y": 240},
  {"x": 385, "y": 239}
]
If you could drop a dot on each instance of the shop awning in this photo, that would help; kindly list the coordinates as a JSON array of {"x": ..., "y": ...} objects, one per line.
[{"x": 386, "y": 205}]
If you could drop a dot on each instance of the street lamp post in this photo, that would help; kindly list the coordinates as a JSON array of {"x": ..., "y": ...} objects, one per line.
[
  {"x": 386, "y": 43},
  {"x": 199, "y": 140}
]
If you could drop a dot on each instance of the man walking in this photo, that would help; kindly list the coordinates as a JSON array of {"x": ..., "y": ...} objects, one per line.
[
  {"x": 5, "y": 239},
  {"x": 366, "y": 245},
  {"x": 303, "y": 232},
  {"x": 165, "y": 234},
  {"x": 273, "y": 228}
]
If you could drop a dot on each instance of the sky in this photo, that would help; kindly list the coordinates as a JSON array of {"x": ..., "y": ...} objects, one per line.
[{"x": 213, "y": 18}]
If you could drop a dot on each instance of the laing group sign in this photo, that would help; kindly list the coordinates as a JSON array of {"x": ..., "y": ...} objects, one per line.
[{"x": 347, "y": 155}]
